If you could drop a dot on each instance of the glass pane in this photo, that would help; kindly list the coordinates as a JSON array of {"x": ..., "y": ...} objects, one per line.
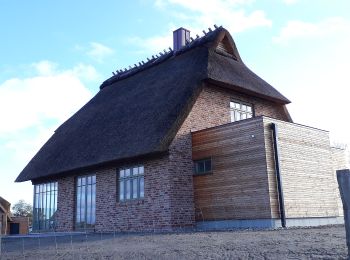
[
  {"x": 134, "y": 188},
  {"x": 237, "y": 105},
  {"x": 142, "y": 187},
  {"x": 200, "y": 167},
  {"x": 88, "y": 204},
  {"x": 94, "y": 179},
  {"x": 43, "y": 186},
  {"x": 78, "y": 203},
  {"x": 208, "y": 165},
  {"x": 82, "y": 203},
  {"x": 232, "y": 105},
  {"x": 244, "y": 107},
  {"x": 232, "y": 114},
  {"x": 237, "y": 116},
  {"x": 249, "y": 115},
  {"x": 93, "y": 204},
  {"x": 141, "y": 170},
  {"x": 121, "y": 190},
  {"x": 135, "y": 171},
  {"x": 128, "y": 191},
  {"x": 83, "y": 181},
  {"x": 249, "y": 108},
  {"x": 79, "y": 181},
  {"x": 89, "y": 179},
  {"x": 122, "y": 173},
  {"x": 127, "y": 172},
  {"x": 244, "y": 116}
]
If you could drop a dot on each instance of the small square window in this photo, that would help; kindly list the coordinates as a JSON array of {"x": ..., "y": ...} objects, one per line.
[{"x": 203, "y": 166}]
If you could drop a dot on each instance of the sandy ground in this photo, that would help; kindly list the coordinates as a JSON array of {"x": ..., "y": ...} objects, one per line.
[{"x": 303, "y": 243}]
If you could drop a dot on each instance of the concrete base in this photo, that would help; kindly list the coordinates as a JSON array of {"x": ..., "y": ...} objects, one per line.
[{"x": 267, "y": 223}]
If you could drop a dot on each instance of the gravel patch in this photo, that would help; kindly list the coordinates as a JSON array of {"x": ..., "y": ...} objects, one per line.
[{"x": 297, "y": 243}]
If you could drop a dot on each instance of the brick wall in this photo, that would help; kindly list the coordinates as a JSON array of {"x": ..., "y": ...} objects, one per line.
[
  {"x": 169, "y": 193},
  {"x": 65, "y": 204},
  {"x": 210, "y": 109}
]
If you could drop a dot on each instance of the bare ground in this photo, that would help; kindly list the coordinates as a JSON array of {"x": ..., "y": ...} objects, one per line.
[{"x": 303, "y": 243}]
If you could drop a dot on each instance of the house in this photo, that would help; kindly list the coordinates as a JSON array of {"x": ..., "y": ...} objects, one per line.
[
  {"x": 190, "y": 138},
  {"x": 10, "y": 225},
  {"x": 5, "y": 215}
]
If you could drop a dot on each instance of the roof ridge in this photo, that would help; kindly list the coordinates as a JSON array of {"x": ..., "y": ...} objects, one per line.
[{"x": 142, "y": 65}]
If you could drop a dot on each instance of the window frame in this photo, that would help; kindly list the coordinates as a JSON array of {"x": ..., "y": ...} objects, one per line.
[
  {"x": 240, "y": 110},
  {"x": 78, "y": 225},
  {"x": 130, "y": 179},
  {"x": 195, "y": 162},
  {"x": 45, "y": 196}
]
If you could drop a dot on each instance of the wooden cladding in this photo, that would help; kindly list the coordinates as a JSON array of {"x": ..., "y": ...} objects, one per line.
[
  {"x": 238, "y": 187},
  {"x": 243, "y": 181}
]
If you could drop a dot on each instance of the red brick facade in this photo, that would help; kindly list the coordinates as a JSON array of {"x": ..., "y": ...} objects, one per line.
[{"x": 169, "y": 194}]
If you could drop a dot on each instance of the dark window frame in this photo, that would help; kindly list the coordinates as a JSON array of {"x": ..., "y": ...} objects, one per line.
[
  {"x": 204, "y": 161},
  {"x": 79, "y": 225},
  {"x": 124, "y": 180},
  {"x": 45, "y": 205}
]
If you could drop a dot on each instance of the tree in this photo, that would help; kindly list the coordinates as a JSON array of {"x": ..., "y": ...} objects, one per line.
[{"x": 22, "y": 209}]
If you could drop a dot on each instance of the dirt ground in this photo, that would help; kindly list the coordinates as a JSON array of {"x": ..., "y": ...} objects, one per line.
[{"x": 302, "y": 243}]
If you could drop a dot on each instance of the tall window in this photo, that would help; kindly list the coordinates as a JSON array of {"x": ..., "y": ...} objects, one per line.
[
  {"x": 131, "y": 183},
  {"x": 86, "y": 202},
  {"x": 45, "y": 206},
  {"x": 240, "y": 111}
]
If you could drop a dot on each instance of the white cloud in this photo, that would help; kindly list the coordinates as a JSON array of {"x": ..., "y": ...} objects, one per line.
[
  {"x": 299, "y": 29},
  {"x": 49, "y": 95},
  {"x": 98, "y": 51},
  {"x": 197, "y": 15},
  {"x": 30, "y": 110}
]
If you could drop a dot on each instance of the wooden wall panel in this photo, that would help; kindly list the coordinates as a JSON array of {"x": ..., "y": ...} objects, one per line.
[
  {"x": 309, "y": 183},
  {"x": 238, "y": 186}
]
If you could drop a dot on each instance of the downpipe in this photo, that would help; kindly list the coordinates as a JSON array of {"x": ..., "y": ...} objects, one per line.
[{"x": 274, "y": 129}]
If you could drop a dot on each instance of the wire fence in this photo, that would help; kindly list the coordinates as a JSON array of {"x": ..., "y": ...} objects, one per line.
[{"x": 55, "y": 245}]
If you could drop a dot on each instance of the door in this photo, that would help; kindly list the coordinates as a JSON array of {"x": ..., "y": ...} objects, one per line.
[{"x": 14, "y": 228}]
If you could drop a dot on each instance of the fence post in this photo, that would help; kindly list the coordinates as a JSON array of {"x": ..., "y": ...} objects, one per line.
[{"x": 343, "y": 177}]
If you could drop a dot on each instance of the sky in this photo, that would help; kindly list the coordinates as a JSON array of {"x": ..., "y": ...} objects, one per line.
[{"x": 55, "y": 54}]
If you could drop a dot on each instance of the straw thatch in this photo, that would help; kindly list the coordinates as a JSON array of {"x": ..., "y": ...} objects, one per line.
[{"x": 138, "y": 112}]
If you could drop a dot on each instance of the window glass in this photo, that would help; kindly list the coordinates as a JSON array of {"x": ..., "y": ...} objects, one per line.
[
  {"x": 86, "y": 201},
  {"x": 203, "y": 166},
  {"x": 131, "y": 183},
  {"x": 45, "y": 206},
  {"x": 240, "y": 111},
  {"x": 121, "y": 190},
  {"x": 142, "y": 184},
  {"x": 134, "y": 188}
]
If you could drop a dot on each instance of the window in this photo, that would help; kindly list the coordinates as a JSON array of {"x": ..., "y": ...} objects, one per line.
[
  {"x": 240, "y": 111},
  {"x": 202, "y": 166},
  {"x": 131, "y": 183},
  {"x": 45, "y": 206},
  {"x": 86, "y": 202}
]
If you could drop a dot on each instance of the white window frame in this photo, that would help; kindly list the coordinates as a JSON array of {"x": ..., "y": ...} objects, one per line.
[{"x": 240, "y": 110}]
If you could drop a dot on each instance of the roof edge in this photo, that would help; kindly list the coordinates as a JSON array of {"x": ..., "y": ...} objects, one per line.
[
  {"x": 245, "y": 91},
  {"x": 94, "y": 167}
]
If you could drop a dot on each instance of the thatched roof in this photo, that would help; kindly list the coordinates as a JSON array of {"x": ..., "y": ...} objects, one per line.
[{"x": 137, "y": 112}]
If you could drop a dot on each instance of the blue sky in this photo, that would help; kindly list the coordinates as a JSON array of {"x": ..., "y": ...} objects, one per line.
[{"x": 55, "y": 54}]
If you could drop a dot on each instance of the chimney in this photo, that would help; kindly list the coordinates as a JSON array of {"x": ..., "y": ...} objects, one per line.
[{"x": 180, "y": 37}]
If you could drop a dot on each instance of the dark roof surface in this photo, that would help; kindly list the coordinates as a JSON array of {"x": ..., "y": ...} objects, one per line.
[{"x": 138, "y": 111}]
